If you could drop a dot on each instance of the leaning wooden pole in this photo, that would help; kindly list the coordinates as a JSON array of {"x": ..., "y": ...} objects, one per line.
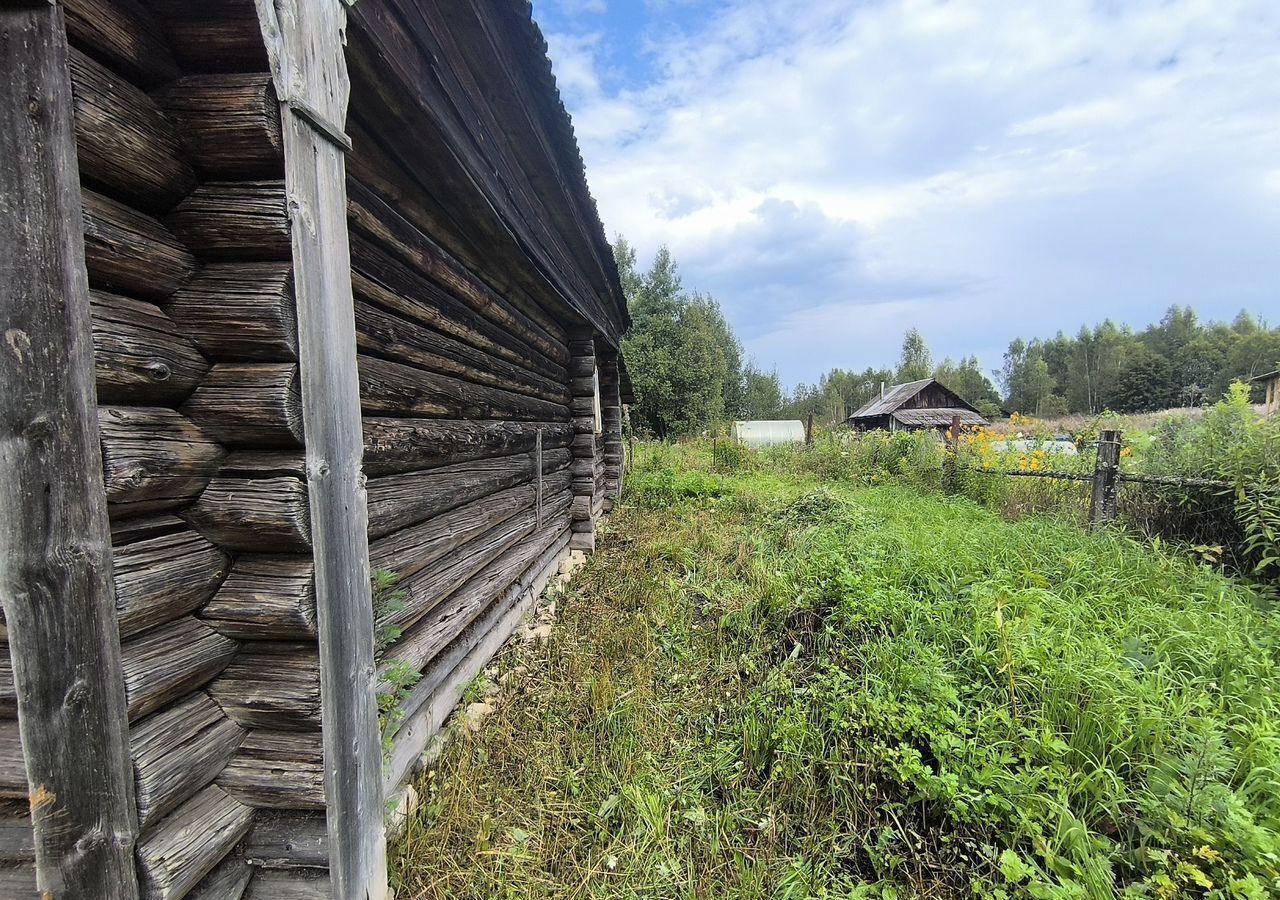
[
  {"x": 304, "y": 44},
  {"x": 55, "y": 544}
]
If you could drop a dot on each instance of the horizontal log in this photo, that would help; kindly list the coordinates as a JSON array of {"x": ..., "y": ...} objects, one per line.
[
  {"x": 290, "y": 884},
  {"x": 125, "y": 36},
  {"x": 178, "y": 751},
  {"x": 397, "y": 501},
  {"x": 411, "y": 295},
  {"x": 235, "y": 220},
  {"x": 8, "y": 688},
  {"x": 18, "y": 881},
  {"x": 127, "y": 531},
  {"x": 17, "y": 838},
  {"x": 584, "y": 541},
  {"x": 583, "y": 367},
  {"x": 385, "y": 226},
  {"x": 153, "y": 459},
  {"x": 403, "y": 445},
  {"x": 168, "y": 662},
  {"x": 442, "y": 685},
  {"x": 434, "y": 584},
  {"x": 131, "y": 253},
  {"x": 583, "y": 526},
  {"x": 277, "y": 770},
  {"x": 266, "y": 598},
  {"x": 583, "y": 387},
  {"x": 411, "y": 549},
  {"x": 433, "y": 632},
  {"x": 240, "y": 311},
  {"x": 162, "y": 578},
  {"x": 214, "y": 37},
  {"x": 391, "y": 388},
  {"x": 250, "y": 404},
  {"x": 139, "y": 354},
  {"x": 230, "y": 123},
  {"x": 288, "y": 840},
  {"x": 13, "y": 766},
  {"x": 275, "y": 687},
  {"x": 266, "y": 515},
  {"x": 177, "y": 852},
  {"x": 390, "y": 336},
  {"x": 125, "y": 145},
  {"x": 227, "y": 881}
]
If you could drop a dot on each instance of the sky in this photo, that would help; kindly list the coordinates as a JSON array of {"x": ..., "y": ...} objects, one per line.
[{"x": 837, "y": 171}]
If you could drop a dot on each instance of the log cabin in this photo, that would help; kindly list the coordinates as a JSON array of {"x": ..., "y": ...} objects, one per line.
[
  {"x": 294, "y": 291},
  {"x": 915, "y": 406}
]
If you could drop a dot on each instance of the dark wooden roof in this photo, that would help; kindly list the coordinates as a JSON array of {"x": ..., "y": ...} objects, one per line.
[
  {"x": 892, "y": 399},
  {"x": 483, "y": 127},
  {"x": 937, "y": 417},
  {"x": 919, "y": 404}
]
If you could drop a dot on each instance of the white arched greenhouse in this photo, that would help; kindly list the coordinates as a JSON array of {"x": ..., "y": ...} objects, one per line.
[{"x": 766, "y": 433}]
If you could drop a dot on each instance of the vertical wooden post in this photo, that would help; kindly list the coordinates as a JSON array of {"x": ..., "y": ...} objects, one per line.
[
  {"x": 949, "y": 456},
  {"x": 1102, "y": 507},
  {"x": 808, "y": 430},
  {"x": 304, "y": 41},
  {"x": 55, "y": 543}
]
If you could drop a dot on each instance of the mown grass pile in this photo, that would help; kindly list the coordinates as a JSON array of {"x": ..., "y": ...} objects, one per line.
[{"x": 777, "y": 687}]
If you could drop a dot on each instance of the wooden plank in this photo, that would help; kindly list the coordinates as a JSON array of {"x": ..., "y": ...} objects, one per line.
[
  {"x": 250, "y": 404},
  {"x": 139, "y": 355},
  {"x": 267, "y": 514},
  {"x": 231, "y": 123},
  {"x": 240, "y": 311},
  {"x": 272, "y": 686},
  {"x": 278, "y": 770},
  {"x": 176, "y": 853},
  {"x": 390, "y": 388},
  {"x": 266, "y": 598},
  {"x": 131, "y": 253},
  {"x": 165, "y": 663},
  {"x": 55, "y": 556},
  {"x": 17, "y": 837},
  {"x": 153, "y": 459},
  {"x": 125, "y": 144},
  {"x": 305, "y": 43},
  {"x": 291, "y": 884},
  {"x": 178, "y": 751}
]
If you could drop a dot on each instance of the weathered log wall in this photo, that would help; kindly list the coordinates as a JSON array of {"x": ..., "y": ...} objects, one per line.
[{"x": 486, "y": 317}]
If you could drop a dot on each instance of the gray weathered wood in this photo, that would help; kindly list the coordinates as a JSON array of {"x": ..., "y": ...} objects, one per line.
[
  {"x": 178, "y": 851},
  {"x": 140, "y": 356},
  {"x": 273, "y": 686},
  {"x": 214, "y": 37},
  {"x": 291, "y": 884},
  {"x": 266, "y": 598},
  {"x": 55, "y": 555},
  {"x": 125, "y": 144},
  {"x": 267, "y": 514},
  {"x": 131, "y": 253},
  {"x": 391, "y": 388},
  {"x": 397, "y": 501},
  {"x": 153, "y": 459},
  {"x": 164, "y": 577},
  {"x": 227, "y": 881},
  {"x": 239, "y": 311},
  {"x": 305, "y": 45},
  {"x": 125, "y": 36},
  {"x": 1102, "y": 504},
  {"x": 231, "y": 122},
  {"x": 277, "y": 770},
  {"x": 288, "y": 840},
  {"x": 13, "y": 770},
  {"x": 250, "y": 404},
  {"x": 178, "y": 751},
  {"x": 8, "y": 690},
  {"x": 17, "y": 837},
  {"x": 167, "y": 662},
  {"x": 234, "y": 220},
  {"x": 404, "y": 445}
]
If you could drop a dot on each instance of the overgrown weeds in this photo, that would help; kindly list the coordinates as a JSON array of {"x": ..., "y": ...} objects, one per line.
[{"x": 791, "y": 688}]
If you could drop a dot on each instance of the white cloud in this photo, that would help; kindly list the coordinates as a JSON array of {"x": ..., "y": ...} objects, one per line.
[{"x": 860, "y": 168}]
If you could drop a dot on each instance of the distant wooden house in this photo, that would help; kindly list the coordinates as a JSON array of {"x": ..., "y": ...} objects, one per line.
[
  {"x": 1271, "y": 386},
  {"x": 915, "y": 406}
]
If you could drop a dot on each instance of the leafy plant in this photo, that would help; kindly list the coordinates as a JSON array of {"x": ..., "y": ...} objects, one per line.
[{"x": 396, "y": 677}]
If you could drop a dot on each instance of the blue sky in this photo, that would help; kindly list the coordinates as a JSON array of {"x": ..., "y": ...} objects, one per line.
[{"x": 835, "y": 172}]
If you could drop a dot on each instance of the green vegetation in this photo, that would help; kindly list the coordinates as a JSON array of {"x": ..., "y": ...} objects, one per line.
[
  {"x": 780, "y": 682},
  {"x": 397, "y": 676}
]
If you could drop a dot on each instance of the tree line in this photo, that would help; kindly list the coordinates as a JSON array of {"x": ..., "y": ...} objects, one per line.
[{"x": 689, "y": 373}]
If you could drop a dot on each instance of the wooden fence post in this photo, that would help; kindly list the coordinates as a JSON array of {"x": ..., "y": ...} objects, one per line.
[
  {"x": 808, "y": 430},
  {"x": 55, "y": 543},
  {"x": 1102, "y": 507},
  {"x": 949, "y": 460}
]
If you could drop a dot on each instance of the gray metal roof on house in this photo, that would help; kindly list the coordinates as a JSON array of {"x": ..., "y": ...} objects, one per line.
[
  {"x": 892, "y": 399},
  {"x": 938, "y": 417}
]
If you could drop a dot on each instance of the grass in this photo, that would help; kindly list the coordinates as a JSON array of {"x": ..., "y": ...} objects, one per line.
[{"x": 773, "y": 686}]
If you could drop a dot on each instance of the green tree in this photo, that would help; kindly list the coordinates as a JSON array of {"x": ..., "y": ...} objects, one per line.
[
  {"x": 762, "y": 393},
  {"x": 915, "y": 362},
  {"x": 1145, "y": 383}
]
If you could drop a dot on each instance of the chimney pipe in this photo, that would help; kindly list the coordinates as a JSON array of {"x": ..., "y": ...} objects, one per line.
[{"x": 882, "y": 390}]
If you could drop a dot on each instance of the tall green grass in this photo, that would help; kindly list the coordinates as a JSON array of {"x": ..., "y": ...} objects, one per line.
[{"x": 776, "y": 685}]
